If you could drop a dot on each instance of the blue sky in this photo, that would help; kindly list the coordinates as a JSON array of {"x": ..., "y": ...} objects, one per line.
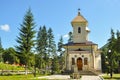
[{"x": 102, "y": 15}]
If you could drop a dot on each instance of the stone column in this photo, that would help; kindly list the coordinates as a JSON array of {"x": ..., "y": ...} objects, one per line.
[
  {"x": 83, "y": 63},
  {"x": 94, "y": 60},
  {"x": 67, "y": 61},
  {"x": 75, "y": 66}
]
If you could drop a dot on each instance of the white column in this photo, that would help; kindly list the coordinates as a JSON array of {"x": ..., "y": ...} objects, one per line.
[
  {"x": 94, "y": 60},
  {"x": 75, "y": 66},
  {"x": 67, "y": 61},
  {"x": 82, "y": 63}
]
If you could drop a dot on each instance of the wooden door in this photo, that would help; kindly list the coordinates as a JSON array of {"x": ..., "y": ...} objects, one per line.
[{"x": 79, "y": 63}]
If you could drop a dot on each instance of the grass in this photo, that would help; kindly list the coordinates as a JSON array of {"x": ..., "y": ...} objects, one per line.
[
  {"x": 115, "y": 77},
  {"x": 20, "y": 77}
]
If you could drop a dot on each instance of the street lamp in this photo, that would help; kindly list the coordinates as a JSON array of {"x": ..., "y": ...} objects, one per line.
[
  {"x": 110, "y": 62},
  {"x": 109, "y": 51}
]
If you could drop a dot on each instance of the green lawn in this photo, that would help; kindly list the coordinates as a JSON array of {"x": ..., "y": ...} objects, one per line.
[
  {"x": 115, "y": 77},
  {"x": 20, "y": 77}
]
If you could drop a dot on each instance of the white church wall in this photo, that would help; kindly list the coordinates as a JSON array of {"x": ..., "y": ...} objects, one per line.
[
  {"x": 79, "y": 37},
  {"x": 98, "y": 62},
  {"x": 82, "y": 56}
]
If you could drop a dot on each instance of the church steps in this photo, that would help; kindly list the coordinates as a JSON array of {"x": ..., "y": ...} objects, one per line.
[{"x": 86, "y": 73}]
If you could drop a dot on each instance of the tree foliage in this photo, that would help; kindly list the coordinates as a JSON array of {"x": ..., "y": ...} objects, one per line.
[
  {"x": 51, "y": 43},
  {"x": 1, "y": 51},
  {"x": 61, "y": 52},
  {"x": 9, "y": 56},
  {"x": 41, "y": 47},
  {"x": 46, "y": 49},
  {"x": 55, "y": 65},
  {"x": 60, "y": 44},
  {"x": 26, "y": 39},
  {"x": 111, "y": 54}
]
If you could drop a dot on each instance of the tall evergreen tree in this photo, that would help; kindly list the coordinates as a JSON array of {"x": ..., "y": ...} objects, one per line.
[
  {"x": 112, "y": 40},
  {"x": 117, "y": 45},
  {"x": 0, "y": 43},
  {"x": 1, "y": 51},
  {"x": 112, "y": 65},
  {"x": 117, "y": 48},
  {"x": 60, "y": 44},
  {"x": 103, "y": 59},
  {"x": 51, "y": 47},
  {"x": 25, "y": 39},
  {"x": 51, "y": 43},
  {"x": 42, "y": 47},
  {"x": 55, "y": 64},
  {"x": 61, "y": 52},
  {"x": 39, "y": 48}
]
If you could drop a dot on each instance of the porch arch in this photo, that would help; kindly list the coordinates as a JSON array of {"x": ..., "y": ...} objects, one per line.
[{"x": 79, "y": 63}]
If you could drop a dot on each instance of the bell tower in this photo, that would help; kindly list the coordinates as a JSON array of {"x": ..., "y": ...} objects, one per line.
[{"x": 80, "y": 29}]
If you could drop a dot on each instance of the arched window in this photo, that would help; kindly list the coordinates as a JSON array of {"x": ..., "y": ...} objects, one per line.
[
  {"x": 73, "y": 61},
  {"x": 85, "y": 61},
  {"x": 79, "y": 30}
]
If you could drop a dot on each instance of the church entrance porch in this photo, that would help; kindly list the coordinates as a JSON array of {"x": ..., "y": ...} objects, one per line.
[{"x": 79, "y": 63}]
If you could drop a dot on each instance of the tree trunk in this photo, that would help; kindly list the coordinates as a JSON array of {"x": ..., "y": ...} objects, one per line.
[
  {"x": 34, "y": 71},
  {"x": 110, "y": 73},
  {"x": 26, "y": 70}
]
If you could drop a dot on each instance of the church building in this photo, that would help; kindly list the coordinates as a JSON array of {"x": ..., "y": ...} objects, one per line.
[{"x": 81, "y": 54}]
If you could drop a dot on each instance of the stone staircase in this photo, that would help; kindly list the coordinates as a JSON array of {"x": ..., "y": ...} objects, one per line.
[{"x": 86, "y": 73}]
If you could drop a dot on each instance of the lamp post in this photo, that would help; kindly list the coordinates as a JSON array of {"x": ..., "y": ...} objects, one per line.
[{"x": 110, "y": 62}]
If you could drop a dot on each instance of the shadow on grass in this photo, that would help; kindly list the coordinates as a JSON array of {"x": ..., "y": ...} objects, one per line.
[{"x": 115, "y": 77}]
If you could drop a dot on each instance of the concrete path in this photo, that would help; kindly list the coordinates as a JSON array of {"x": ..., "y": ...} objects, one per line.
[
  {"x": 67, "y": 77},
  {"x": 60, "y": 77},
  {"x": 90, "y": 77}
]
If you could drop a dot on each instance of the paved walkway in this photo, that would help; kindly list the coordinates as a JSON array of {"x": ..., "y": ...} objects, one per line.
[
  {"x": 88, "y": 77},
  {"x": 67, "y": 77},
  {"x": 61, "y": 77}
]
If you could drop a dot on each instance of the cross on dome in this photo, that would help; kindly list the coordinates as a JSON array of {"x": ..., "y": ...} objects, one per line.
[{"x": 78, "y": 11}]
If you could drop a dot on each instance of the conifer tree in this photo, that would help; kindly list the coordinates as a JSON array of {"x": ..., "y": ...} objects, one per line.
[
  {"x": 112, "y": 54},
  {"x": 60, "y": 44},
  {"x": 0, "y": 43},
  {"x": 39, "y": 48},
  {"x": 51, "y": 43},
  {"x": 42, "y": 47},
  {"x": 117, "y": 48},
  {"x": 10, "y": 56},
  {"x": 61, "y": 52},
  {"x": 51, "y": 47},
  {"x": 117, "y": 45},
  {"x": 25, "y": 39},
  {"x": 55, "y": 64},
  {"x": 1, "y": 51}
]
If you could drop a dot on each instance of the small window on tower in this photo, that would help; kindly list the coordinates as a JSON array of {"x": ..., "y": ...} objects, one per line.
[{"x": 79, "y": 30}]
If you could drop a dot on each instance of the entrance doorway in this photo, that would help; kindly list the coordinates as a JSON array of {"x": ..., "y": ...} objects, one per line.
[{"x": 79, "y": 63}]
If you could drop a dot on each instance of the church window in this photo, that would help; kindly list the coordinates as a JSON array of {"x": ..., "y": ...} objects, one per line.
[
  {"x": 73, "y": 61},
  {"x": 82, "y": 55},
  {"x": 85, "y": 61},
  {"x": 79, "y": 30}
]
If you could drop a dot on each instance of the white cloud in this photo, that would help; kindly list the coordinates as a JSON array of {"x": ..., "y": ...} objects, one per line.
[
  {"x": 65, "y": 36},
  {"x": 5, "y": 27}
]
